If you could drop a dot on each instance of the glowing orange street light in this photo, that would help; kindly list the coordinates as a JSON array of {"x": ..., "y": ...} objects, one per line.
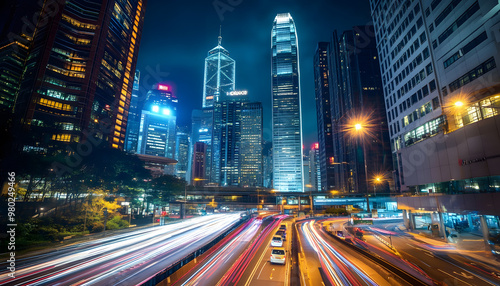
[
  {"x": 459, "y": 104},
  {"x": 358, "y": 126}
]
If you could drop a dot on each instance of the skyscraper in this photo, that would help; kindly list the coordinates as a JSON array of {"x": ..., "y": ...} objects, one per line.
[
  {"x": 357, "y": 93},
  {"x": 199, "y": 159},
  {"x": 134, "y": 117},
  {"x": 441, "y": 85},
  {"x": 324, "y": 118},
  {"x": 79, "y": 75},
  {"x": 15, "y": 40},
  {"x": 251, "y": 165},
  {"x": 219, "y": 74},
  {"x": 226, "y": 139},
  {"x": 181, "y": 152},
  {"x": 286, "y": 102},
  {"x": 157, "y": 128}
]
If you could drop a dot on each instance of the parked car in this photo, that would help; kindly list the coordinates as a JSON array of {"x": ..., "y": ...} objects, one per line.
[
  {"x": 281, "y": 233},
  {"x": 278, "y": 255},
  {"x": 277, "y": 241}
]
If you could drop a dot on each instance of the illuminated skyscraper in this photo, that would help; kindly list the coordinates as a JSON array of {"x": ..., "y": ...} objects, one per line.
[
  {"x": 287, "y": 119},
  {"x": 251, "y": 165},
  {"x": 219, "y": 74},
  {"x": 79, "y": 75},
  {"x": 134, "y": 117},
  {"x": 181, "y": 152},
  {"x": 157, "y": 127},
  {"x": 324, "y": 118},
  {"x": 226, "y": 139}
]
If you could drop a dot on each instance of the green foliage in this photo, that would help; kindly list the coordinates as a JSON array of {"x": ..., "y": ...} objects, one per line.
[
  {"x": 96, "y": 227},
  {"x": 116, "y": 223}
]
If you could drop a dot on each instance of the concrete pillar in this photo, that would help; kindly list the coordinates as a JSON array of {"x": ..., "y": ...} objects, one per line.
[
  {"x": 412, "y": 220},
  {"x": 182, "y": 211},
  {"x": 405, "y": 219},
  {"x": 442, "y": 229},
  {"x": 486, "y": 233}
]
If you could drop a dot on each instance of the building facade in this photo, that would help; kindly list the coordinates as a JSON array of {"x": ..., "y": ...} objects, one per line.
[
  {"x": 226, "y": 139},
  {"x": 251, "y": 160},
  {"x": 286, "y": 102},
  {"x": 199, "y": 159},
  {"x": 441, "y": 83},
  {"x": 134, "y": 116},
  {"x": 157, "y": 130},
  {"x": 356, "y": 89},
  {"x": 324, "y": 118},
  {"x": 79, "y": 74},
  {"x": 182, "y": 152}
]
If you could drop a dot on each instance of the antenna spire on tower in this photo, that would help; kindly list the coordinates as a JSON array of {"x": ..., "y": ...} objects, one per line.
[{"x": 220, "y": 34}]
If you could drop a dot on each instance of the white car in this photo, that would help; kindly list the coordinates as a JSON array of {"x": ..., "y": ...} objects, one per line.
[
  {"x": 277, "y": 241},
  {"x": 278, "y": 255}
]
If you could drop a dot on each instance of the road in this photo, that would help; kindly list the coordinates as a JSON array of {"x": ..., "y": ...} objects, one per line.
[
  {"x": 212, "y": 269},
  {"x": 440, "y": 261},
  {"x": 327, "y": 261},
  {"x": 253, "y": 266},
  {"x": 126, "y": 259}
]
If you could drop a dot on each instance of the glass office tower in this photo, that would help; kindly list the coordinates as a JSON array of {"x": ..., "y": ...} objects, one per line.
[
  {"x": 134, "y": 117},
  {"x": 287, "y": 119},
  {"x": 157, "y": 128},
  {"x": 219, "y": 74},
  {"x": 79, "y": 75}
]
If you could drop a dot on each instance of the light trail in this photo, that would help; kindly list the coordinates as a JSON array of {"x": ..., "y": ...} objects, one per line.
[
  {"x": 338, "y": 269},
  {"x": 218, "y": 260},
  {"x": 234, "y": 274},
  {"x": 118, "y": 259}
]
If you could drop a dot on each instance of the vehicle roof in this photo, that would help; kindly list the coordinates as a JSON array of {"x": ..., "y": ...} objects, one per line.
[
  {"x": 278, "y": 248},
  {"x": 278, "y": 237}
]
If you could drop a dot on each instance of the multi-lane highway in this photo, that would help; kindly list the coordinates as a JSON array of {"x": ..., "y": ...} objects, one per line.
[
  {"x": 327, "y": 261},
  {"x": 127, "y": 259},
  {"x": 440, "y": 261}
]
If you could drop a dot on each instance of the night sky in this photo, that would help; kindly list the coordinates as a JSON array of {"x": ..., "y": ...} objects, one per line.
[{"x": 178, "y": 34}]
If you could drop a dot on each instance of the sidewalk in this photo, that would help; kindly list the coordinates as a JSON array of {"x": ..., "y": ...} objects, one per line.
[{"x": 465, "y": 244}]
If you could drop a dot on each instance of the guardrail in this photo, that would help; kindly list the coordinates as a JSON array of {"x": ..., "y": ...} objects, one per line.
[{"x": 162, "y": 275}]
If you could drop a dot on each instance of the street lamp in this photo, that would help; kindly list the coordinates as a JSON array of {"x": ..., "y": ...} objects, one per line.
[
  {"x": 359, "y": 127},
  {"x": 310, "y": 195}
]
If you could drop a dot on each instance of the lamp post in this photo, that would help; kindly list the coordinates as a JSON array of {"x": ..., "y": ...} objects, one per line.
[
  {"x": 310, "y": 197},
  {"x": 358, "y": 127},
  {"x": 105, "y": 212}
]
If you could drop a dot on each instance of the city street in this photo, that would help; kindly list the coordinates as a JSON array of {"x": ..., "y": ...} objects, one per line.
[{"x": 127, "y": 259}]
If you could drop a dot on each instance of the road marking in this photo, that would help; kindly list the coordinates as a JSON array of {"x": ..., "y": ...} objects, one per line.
[
  {"x": 261, "y": 270},
  {"x": 454, "y": 277},
  {"x": 463, "y": 274},
  {"x": 427, "y": 253}
]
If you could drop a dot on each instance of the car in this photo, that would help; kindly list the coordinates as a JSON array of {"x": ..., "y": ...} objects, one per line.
[
  {"x": 277, "y": 241},
  {"x": 278, "y": 255},
  {"x": 281, "y": 233},
  {"x": 283, "y": 227}
]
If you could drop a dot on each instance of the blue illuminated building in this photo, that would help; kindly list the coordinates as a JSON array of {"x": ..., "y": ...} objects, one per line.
[
  {"x": 157, "y": 128},
  {"x": 134, "y": 117},
  {"x": 287, "y": 119},
  {"x": 219, "y": 74}
]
